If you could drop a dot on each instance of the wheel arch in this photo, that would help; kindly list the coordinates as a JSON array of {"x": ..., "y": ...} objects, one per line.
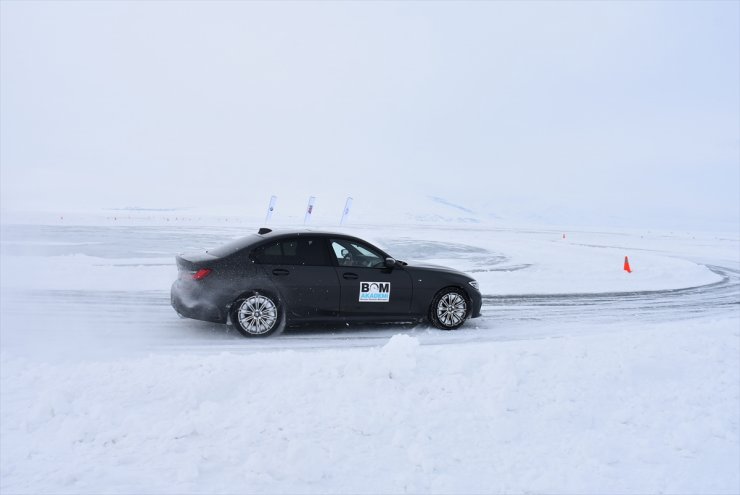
[
  {"x": 271, "y": 292},
  {"x": 461, "y": 287}
]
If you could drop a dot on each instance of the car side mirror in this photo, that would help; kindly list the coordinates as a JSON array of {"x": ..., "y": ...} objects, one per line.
[{"x": 390, "y": 262}]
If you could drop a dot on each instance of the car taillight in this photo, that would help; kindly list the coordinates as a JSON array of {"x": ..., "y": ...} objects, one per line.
[{"x": 202, "y": 273}]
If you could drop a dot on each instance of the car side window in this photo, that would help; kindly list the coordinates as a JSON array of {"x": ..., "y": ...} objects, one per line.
[
  {"x": 312, "y": 252},
  {"x": 351, "y": 253},
  {"x": 299, "y": 251},
  {"x": 269, "y": 254}
]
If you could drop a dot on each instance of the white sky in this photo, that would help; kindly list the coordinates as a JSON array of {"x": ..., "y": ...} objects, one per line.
[{"x": 630, "y": 107}]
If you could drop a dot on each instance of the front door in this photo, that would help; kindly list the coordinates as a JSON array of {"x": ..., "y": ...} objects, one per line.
[{"x": 369, "y": 288}]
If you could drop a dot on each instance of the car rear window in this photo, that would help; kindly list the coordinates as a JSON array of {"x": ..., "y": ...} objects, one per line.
[{"x": 234, "y": 246}]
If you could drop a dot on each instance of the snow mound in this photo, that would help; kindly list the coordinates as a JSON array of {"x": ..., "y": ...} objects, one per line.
[
  {"x": 645, "y": 411},
  {"x": 399, "y": 355}
]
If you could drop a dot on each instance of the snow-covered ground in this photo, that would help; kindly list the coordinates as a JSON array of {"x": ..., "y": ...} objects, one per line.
[{"x": 579, "y": 378}]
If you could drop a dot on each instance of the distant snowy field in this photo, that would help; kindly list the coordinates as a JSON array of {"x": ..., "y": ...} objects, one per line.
[{"x": 579, "y": 378}]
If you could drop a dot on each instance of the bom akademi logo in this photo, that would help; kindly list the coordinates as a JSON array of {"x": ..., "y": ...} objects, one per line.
[{"x": 375, "y": 291}]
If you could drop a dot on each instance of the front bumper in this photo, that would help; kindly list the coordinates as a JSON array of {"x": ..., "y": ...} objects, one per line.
[{"x": 476, "y": 301}]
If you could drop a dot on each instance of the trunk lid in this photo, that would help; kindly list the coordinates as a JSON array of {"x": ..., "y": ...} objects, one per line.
[{"x": 192, "y": 262}]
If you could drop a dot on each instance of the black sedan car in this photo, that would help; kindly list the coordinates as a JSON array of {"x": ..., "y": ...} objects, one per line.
[{"x": 265, "y": 281}]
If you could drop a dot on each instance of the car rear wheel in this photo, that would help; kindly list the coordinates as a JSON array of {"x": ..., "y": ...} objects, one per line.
[
  {"x": 450, "y": 308},
  {"x": 257, "y": 315}
]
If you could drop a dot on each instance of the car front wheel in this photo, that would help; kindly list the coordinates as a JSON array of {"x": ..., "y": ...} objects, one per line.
[
  {"x": 450, "y": 308},
  {"x": 257, "y": 315}
]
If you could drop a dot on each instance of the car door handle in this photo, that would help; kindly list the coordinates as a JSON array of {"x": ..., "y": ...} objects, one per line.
[
  {"x": 351, "y": 276},
  {"x": 280, "y": 271}
]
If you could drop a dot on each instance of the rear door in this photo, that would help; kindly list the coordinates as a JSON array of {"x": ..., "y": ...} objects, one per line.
[
  {"x": 369, "y": 288},
  {"x": 303, "y": 273}
]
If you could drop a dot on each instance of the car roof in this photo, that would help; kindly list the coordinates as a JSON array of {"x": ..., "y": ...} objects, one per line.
[
  {"x": 264, "y": 235},
  {"x": 283, "y": 233},
  {"x": 304, "y": 231}
]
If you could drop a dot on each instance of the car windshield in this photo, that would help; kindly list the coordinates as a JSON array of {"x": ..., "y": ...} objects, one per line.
[{"x": 234, "y": 246}]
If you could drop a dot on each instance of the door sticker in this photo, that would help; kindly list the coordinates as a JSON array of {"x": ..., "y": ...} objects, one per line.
[{"x": 375, "y": 291}]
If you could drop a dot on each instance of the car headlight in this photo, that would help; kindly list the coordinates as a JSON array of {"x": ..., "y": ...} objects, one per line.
[{"x": 474, "y": 283}]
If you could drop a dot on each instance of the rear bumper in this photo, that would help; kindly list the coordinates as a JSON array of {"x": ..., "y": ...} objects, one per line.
[{"x": 191, "y": 302}]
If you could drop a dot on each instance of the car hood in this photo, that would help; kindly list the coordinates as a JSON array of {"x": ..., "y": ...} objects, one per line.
[{"x": 426, "y": 267}]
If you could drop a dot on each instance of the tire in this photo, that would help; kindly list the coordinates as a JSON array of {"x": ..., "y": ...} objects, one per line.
[
  {"x": 257, "y": 315},
  {"x": 449, "y": 309}
]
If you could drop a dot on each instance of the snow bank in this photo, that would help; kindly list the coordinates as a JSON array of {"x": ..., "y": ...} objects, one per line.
[
  {"x": 650, "y": 410},
  {"x": 540, "y": 262},
  {"x": 573, "y": 269}
]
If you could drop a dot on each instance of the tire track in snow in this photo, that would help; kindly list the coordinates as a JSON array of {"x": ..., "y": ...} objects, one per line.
[
  {"x": 659, "y": 305},
  {"x": 144, "y": 320}
]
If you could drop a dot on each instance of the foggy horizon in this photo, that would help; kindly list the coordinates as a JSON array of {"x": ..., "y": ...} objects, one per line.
[{"x": 629, "y": 109}]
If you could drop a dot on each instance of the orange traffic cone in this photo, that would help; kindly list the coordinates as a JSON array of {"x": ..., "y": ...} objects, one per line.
[{"x": 627, "y": 265}]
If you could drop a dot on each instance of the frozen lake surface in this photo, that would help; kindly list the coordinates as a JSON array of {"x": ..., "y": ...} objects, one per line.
[{"x": 578, "y": 377}]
